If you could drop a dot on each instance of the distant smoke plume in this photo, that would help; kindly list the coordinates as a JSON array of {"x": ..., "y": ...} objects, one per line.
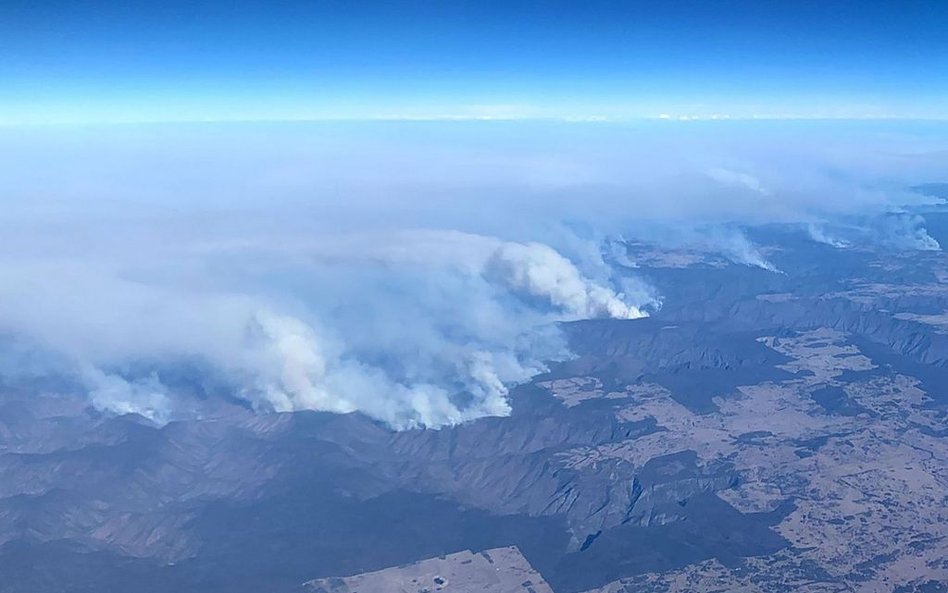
[
  {"x": 821, "y": 234},
  {"x": 112, "y": 393},
  {"x": 617, "y": 252},
  {"x": 898, "y": 230},
  {"x": 727, "y": 241},
  {"x": 903, "y": 230},
  {"x": 539, "y": 271},
  {"x": 733, "y": 244}
]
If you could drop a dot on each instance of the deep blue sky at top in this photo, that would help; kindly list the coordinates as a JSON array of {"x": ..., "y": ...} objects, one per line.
[{"x": 119, "y": 60}]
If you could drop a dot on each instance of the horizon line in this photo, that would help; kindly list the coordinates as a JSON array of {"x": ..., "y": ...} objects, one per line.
[{"x": 585, "y": 119}]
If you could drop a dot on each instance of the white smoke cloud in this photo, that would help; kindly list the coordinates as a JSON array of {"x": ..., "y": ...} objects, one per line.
[
  {"x": 417, "y": 381},
  {"x": 289, "y": 371},
  {"x": 421, "y": 328},
  {"x": 112, "y": 393},
  {"x": 734, "y": 244},
  {"x": 537, "y": 270},
  {"x": 500, "y": 300},
  {"x": 289, "y": 367},
  {"x": 293, "y": 276},
  {"x": 819, "y": 232}
]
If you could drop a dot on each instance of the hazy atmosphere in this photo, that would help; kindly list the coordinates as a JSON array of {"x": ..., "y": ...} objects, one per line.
[
  {"x": 409, "y": 270},
  {"x": 510, "y": 297}
]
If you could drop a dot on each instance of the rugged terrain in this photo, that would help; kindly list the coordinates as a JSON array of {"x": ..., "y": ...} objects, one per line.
[{"x": 763, "y": 432}]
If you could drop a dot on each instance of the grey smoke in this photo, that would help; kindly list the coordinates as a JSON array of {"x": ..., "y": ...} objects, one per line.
[
  {"x": 819, "y": 232},
  {"x": 113, "y": 393},
  {"x": 898, "y": 230},
  {"x": 904, "y": 230},
  {"x": 734, "y": 245}
]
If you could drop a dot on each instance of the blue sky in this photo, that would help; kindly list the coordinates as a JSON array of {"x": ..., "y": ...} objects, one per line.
[{"x": 102, "y": 60}]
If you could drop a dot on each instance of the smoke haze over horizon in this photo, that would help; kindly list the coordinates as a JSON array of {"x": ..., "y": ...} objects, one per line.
[{"x": 411, "y": 271}]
